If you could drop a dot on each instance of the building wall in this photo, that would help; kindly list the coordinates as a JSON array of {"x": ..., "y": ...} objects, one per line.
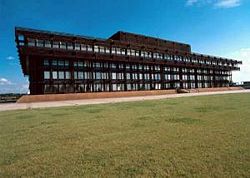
[{"x": 51, "y": 75}]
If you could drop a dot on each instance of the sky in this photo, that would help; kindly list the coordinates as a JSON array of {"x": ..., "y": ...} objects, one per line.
[{"x": 215, "y": 27}]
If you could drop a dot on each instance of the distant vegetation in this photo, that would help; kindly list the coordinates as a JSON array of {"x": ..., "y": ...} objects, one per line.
[
  {"x": 10, "y": 97},
  {"x": 205, "y": 136}
]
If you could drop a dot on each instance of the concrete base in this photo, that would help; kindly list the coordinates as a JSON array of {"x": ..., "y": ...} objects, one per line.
[{"x": 99, "y": 95}]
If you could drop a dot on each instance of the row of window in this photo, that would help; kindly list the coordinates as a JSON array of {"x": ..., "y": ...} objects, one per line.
[
  {"x": 121, "y": 51},
  {"x": 81, "y": 64},
  {"x": 80, "y": 75},
  {"x": 97, "y": 87},
  {"x": 57, "y": 75}
]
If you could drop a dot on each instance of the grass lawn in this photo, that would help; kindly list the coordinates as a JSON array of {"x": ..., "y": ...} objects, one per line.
[{"x": 205, "y": 136}]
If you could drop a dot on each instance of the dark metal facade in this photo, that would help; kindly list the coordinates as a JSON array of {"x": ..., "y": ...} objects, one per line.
[{"x": 65, "y": 63}]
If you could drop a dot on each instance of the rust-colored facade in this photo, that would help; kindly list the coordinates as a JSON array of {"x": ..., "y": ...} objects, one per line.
[{"x": 65, "y": 63}]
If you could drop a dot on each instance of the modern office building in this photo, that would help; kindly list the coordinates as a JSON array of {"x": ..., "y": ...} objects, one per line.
[{"x": 65, "y": 63}]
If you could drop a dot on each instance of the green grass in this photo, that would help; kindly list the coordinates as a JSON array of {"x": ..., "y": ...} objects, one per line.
[{"x": 206, "y": 136}]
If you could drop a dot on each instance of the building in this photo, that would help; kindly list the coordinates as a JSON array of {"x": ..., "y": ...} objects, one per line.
[
  {"x": 245, "y": 84},
  {"x": 65, "y": 63}
]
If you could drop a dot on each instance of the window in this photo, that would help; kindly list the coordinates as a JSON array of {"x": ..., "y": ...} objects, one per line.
[
  {"x": 77, "y": 46},
  {"x": 155, "y": 55},
  {"x": 47, "y": 88},
  {"x": 98, "y": 87},
  {"x": 192, "y": 85},
  {"x": 113, "y": 66},
  {"x": 97, "y": 64},
  {"x": 120, "y": 66},
  {"x": 134, "y": 76},
  {"x": 102, "y": 49},
  {"x": 78, "y": 64},
  {"x": 46, "y": 62},
  {"x": 123, "y": 51},
  {"x": 192, "y": 77},
  {"x": 55, "y": 44},
  {"x": 89, "y": 48},
  {"x": 88, "y": 75},
  {"x": 176, "y": 85},
  {"x": 47, "y": 44},
  {"x": 157, "y": 68},
  {"x": 128, "y": 76},
  {"x": 96, "y": 49},
  {"x": 67, "y": 75},
  {"x": 107, "y": 50},
  {"x": 39, "y": 43},
  {"x": 31, "y": 42},
  {"x": 83, "y": 47},
  {"x": 120, "y": 76},
  {"x": 114, "y": 87},
  {"x": 140, "y": 76},
  {"x": 54, "y": 62},
  {"x": 134, "y": 67},
  {"x": 118, "y": 51},
  {"x": 106, "y": 65},
  {"x": 61, "y": 75},
  {"x": 184, "y": 77},
  {"x": 130, "y": 52},
  {"x": 175, "y": 69},
  {"x": 98, "y": 75},
  {"x": 167, "y": 76},
  {"x": 61, "y": 88},
  {"x": 20, "y": 37},
  {"x": 70, "y": 46},
  {"x": 146, "y": 76},
  {"x": 149, "y": 55},
  {"x": 129, "y": 86},
  {"x": 166, "y": 68},
  {"x": 46, "y": 75},
  {"x": 66, "y": 63},
  {"x": 167, "y": 85},
  {"x": 146, "y": 67},
  {"x": 157, "y": 86},
  {"x": 147, "y": 86},
  {"x": 54, "y": 74},
  {"x": 61, "y": 63},
  {"x": 105, "y": 75},
  {"x": 191, "y": 70},
  {"x": 75, "y": 75},
  {"x": 113, "y": 50},
  {"x": 63, "y": 45},
  {"x": 87, "y": 64},
  {"x": 113, "y": 76},
  {"x": 143, "y": 53},
  {"x": 157, "y": 77},
  {"x": 137, "y": 53}
]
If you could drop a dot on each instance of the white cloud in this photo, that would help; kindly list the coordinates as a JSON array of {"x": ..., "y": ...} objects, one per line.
[
  {"x": 215, "y": 3},
  {"x": 10, "y": 58},
  {"x": 191, "y": 2},
  {"x": 244, "y": 56},
  {"x": 7, "y": 86},
  {"x": 227, "y": 3},
  {"x": 4, "y": 81},
  {"x": 24, "y": 88}
]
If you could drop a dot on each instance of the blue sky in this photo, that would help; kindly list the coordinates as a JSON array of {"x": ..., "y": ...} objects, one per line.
[{"x": 216, "y": 27}]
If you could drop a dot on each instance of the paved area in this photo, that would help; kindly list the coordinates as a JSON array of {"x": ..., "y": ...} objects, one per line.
[{"x": 17, "y": 106}]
